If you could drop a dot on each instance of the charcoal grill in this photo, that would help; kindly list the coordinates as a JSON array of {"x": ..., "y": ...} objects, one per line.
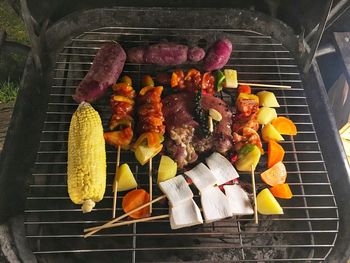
[{"x": 265, "y": 51}]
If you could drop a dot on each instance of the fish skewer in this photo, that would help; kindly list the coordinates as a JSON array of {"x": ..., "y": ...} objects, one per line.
[{"x": 120, "y": 124}]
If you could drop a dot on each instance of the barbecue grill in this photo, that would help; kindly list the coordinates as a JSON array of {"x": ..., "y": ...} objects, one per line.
[{"x": 265, "y": 51}]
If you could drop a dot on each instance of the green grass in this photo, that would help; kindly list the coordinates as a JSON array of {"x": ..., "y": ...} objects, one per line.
[
  {"x": 12, "y": 24},
  {"x": 8, "y": 91}
]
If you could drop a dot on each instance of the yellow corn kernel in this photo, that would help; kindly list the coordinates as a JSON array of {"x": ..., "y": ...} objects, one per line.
[{"x": 86, "y": 158}]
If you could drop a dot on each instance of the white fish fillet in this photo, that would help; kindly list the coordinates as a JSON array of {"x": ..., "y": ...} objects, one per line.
[
  {"x": 239, "y": 200},
  {"x": 222, "y": 169},
  {"x": 176, "y": 189},
  {"x": 215, "y": 205},
  {"x": 185, "y": 214},
  {"x": 201, "y": 176}
]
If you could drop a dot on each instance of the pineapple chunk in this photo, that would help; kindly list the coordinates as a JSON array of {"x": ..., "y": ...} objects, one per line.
[
  {"x": 245, "y": 162},
  {"x": 267, "y": 99},
  {"x": 125, "y": 178},
  {"x": 167, "y": 169},
  {"x": 143, "y": 153},
  {"x": 267, "y": 203},
  {"x": 266, "y": 115},
  {"x": 270, "y": 133}
]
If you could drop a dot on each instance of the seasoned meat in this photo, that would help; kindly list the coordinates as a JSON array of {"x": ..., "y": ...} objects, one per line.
[{"x": 182, "y": 141}]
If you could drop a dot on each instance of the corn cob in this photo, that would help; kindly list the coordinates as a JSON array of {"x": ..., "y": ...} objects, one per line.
[{"x": 86, "y": 158}]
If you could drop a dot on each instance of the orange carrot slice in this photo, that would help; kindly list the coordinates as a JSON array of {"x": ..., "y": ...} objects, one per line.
[
  {"x": 135, "y": 199},
  {"x": 277, "y": 174},
  {"x": 281, "y": 191},
  {"x": 275, "y": 153},
  {"x": 284, "y": 126}
]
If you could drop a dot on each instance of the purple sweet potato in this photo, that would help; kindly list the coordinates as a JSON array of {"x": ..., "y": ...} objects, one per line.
[
  {"x": 218, "y": 55},
  {"x": 166, "y": 54},
  {"x": 195, "y": 54},
  {"x": 104, "y": 72},
  {"x": 135, "y": 54}
]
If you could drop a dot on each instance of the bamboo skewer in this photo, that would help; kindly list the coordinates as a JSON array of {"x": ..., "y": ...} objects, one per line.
[
  {"x": 266, "y": 85},
  {"x": 93, "y": 230},
  {"x": 145, "y": 219},
  {"x": 256, "y": 220},
  {"x": 150, "y": 185},
  {"x": 115, "y": 183}
]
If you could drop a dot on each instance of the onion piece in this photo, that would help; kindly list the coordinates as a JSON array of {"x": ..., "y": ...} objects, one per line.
[
  {"x": 222, "y": 169},
  {"x": 201, "y": 176},
  {"x": 238, "y": 199}
]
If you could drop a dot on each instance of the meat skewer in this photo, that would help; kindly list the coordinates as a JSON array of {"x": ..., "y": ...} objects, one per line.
[
  {"x": 150, "y": 126},
  {"x": 122, "y": 104}
]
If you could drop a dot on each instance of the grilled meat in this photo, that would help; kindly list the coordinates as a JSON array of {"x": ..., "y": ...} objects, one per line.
[{"x": 184, "y": 141}]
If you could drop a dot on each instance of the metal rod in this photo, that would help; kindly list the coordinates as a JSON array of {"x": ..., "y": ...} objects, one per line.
[{"x": 318, "y": 36}]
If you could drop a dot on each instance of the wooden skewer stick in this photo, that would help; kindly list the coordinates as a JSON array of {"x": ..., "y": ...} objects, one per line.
[
  {"x": 93, "y": 230},
  {"x": 115, "y": 183},
  {"x": 254, "y": 196},
  {"x": 145, "y": 219},
  {"x": 266, "y": 85},
  {"x": 150, "y": 185}
]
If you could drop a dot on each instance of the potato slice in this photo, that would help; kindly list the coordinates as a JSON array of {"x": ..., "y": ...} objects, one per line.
[
  {"x": 267, "y": 99},
  {"x": 125, "y": 178},
  {"x": 266, "y": 115},
  {"x": 167, "y": 169},
  {"x": 267, "y": 203},
  {"x": 269, "y": 132}
]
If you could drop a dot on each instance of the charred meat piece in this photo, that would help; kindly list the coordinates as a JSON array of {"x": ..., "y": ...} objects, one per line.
[{"x": 246, "y": 136}]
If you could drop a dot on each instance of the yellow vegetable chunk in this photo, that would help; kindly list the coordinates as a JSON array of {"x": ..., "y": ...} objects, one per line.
[
  {"x": 269, "y": 132},
  {"x": 167, "y": 169},
  {"x": 266, "y": 115},
  {"x": 230, "y": 78},
  {"x": 267, "y": 99},
  {"x": 267, "y": 203},
  {"x": 125, "y": 178},
  {"x": 143, "y": 153},
  {"x": 245, "y": 162}
]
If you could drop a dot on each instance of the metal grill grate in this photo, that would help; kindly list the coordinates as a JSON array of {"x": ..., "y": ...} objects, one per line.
[{"x": 54, "y": 226}]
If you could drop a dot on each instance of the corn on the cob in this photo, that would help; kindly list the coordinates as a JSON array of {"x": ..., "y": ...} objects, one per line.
[{"x": 86, "y": 158}]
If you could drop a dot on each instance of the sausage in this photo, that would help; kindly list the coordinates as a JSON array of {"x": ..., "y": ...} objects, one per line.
[
  {"x": 135, "y": 55},
  {"x": 195, "y": 54},
  {"x": 104, "y": 72},
  {"x": 218, "y": 55},
  {"x": 165, "y": 54}
]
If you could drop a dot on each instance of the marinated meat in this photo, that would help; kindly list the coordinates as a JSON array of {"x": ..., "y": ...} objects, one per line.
[{"x": 183, "y": 142}]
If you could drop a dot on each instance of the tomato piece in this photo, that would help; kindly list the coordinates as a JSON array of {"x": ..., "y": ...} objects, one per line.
[
  {"x": 208, "y": 83},
  {"x": 244, "y": 89}
]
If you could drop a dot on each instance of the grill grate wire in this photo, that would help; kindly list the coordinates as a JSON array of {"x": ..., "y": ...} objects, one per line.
[{"x": 54, "y": 226}]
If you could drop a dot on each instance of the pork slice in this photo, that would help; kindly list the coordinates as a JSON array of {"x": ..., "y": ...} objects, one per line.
[{"x": 178, "y": 111}]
